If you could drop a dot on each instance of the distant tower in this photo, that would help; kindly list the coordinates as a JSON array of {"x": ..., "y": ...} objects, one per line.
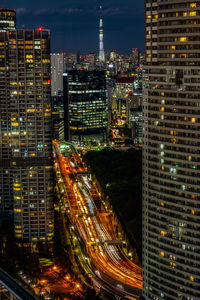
[{"x": 101, "y": 48}]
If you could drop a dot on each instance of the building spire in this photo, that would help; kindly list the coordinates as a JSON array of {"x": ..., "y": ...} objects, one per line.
[{"x": 101, "y": 47}]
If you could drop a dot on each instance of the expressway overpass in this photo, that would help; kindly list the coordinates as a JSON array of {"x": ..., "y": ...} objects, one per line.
[
  {"x": 109, "y": 264},
  {"x": 10, "y": 289}
]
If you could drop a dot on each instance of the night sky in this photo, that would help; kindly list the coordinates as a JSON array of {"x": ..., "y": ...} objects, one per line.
[{"x": 74, "y": 23}]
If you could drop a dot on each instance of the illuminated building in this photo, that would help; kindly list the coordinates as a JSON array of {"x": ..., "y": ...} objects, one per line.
[
  {"x": 135, "y": 117},
  {"x": 26, "y": 133},
  {"x": 85, "y": 106},
  {"x": 7, "y": 19},
  {"x": 136, "y": 57},
  {"x": 113, "y": 55},
  {"x": 57, "y": 70},
  {"x": 123, "y": 87},
  {"x": 70, "y": 60},
  {"x": 136, "y": 124},
  {"x": 91, "y": 60},
  {"x": 171, "y": 181}
]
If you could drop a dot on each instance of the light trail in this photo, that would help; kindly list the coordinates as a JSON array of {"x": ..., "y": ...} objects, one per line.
[{"x": 97, "y": 230}]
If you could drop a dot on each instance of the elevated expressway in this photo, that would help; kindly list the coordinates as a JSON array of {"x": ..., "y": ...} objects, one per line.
[
  {"x": 94, "y": 224},
  {"x": 15, "y": 290}
]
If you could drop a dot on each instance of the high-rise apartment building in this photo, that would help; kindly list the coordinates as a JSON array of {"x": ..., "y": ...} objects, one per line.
[
  {"x": 171, "y": 156},
  {"x": 26, "y": 133},
  {"x": 85, "y": 106},
  {"x": 7, "y": 19}
]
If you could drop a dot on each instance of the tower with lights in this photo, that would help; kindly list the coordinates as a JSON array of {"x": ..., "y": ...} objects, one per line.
[{"x": 101, "y": 47}]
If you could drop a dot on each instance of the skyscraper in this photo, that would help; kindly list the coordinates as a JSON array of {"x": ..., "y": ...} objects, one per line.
[
  {"x": 7, "y": 19},
  {"x": 85, "y": 106},
  {"x": 101, "y": 46},
  {"x": 171, "y": 181},
  {"x": 57, "y": 70},
  {"x": 136, "y": 57},
  {"x": 26, "y": 133}
]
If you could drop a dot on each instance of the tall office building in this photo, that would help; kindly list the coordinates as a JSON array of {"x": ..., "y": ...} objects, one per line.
[
  {"x": 123, "y": 87},
  {"x": 136, "y": 57},
  {"x": 57, "y": 70},
  {"x": 26, "y": 133},
  {"x": 7, "y": 19},
  {"x": 171, "y": 182},
  {"x": 85, "y": 106}
]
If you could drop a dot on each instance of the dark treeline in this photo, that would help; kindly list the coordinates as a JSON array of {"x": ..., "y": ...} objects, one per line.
[{"x": 120, "y": 175}]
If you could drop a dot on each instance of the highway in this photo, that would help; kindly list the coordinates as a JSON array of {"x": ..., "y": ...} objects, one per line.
[
  {"x": 14, "y": 288},
  {"x": 95, "y": 224}
]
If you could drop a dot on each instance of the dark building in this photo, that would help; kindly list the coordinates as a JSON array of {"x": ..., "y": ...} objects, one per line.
[
  {"x": 85, "y": 105},
  {"x": 26, "y": 133},
  {"x": 7, "y": 19}
]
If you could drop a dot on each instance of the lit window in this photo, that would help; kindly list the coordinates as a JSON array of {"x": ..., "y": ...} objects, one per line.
[
  {"x": 173, "y": 141},
  {"x": 18, "y": 210},
  {"x": 191, "y": 278},
  {"x": 162, "y": 253},
  {"x": 183, "y": 55},
  {"x": 193, "y": 120},
  {"x": 163, "y": 232},
  {"x": 16, "y": 184},
  {"x": 193, "y": 13},
  {"x": 183, "y": 39}
]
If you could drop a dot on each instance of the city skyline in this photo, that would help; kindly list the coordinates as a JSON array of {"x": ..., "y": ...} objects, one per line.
[
  {"x": 79, "y": 22},
  {"x": 99, "y": 150}
]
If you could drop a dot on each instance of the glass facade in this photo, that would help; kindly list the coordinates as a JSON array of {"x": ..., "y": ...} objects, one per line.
[
  {"x": 26, "y": 133},
  {"x": 86, "y": 111},
  {"x": 171, "y": 155}
]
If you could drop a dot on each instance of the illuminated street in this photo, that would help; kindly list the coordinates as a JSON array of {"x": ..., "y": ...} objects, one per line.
[
  {"x": 58, "y": 282},
  {"x": 94, "y": 223}
]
